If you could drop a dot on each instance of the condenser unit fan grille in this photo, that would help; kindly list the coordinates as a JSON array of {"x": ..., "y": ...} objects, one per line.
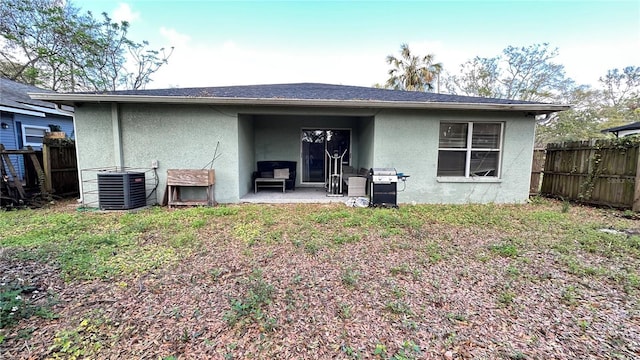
[{"x": 121, "y": 190}]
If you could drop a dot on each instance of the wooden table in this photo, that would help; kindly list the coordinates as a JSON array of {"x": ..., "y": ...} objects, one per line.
[{"x": 268, "y": 182}]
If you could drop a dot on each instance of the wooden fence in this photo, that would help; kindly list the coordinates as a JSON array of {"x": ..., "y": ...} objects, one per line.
[
  {"x": 60, "y": 167},
  {"x": 601, "y": 172}
]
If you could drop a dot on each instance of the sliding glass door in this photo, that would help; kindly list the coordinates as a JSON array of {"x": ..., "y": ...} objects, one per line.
[{"x": 315, "y": 144}]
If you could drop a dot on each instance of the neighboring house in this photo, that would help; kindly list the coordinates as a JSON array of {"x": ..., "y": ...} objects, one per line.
[
  {"x": 624, "y": 130},
  {"x": 25, "y": 121},
  {"x": 457, "y": 149}
]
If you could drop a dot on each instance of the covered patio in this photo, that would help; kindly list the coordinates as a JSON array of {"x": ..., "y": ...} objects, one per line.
[{"x": 303, "y": 138}]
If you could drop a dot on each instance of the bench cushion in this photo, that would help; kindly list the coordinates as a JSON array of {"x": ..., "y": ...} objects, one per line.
[{"x": 281, "y": 173}]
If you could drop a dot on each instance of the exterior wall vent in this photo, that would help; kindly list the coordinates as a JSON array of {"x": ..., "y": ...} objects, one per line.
[{"x": 121, "y": 190}]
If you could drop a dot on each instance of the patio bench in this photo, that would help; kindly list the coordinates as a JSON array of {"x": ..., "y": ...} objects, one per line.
[{"x": 266, "y": 169}]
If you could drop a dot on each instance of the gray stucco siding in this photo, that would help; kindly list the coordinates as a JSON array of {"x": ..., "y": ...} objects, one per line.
[
  {"x": 366, "y": 126},
  {"x": 185, "y": 136},
  {"x": 408, "y": 141},
  {"x": 94, "y": 145},
  {"x": 246, "y": 155},
  {"x": 182, "y": 137},
  {"x": 179, "y": 137}
]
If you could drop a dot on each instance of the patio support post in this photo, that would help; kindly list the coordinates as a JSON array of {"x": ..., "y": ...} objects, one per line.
[{"x": 117, "y": 137}]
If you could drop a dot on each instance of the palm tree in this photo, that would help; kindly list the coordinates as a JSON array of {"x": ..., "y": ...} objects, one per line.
[{"x": 412, "y": 72}]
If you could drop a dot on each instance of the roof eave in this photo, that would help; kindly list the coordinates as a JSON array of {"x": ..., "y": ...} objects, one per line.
[
  {"x": 632, "y": 126},
  {"x": 70, "y": 99},
  {"x": 16, "y": 110}
]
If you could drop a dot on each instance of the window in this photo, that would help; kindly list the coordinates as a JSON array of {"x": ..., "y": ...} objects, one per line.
[
  {"x": 469, "y": 149},
  {"x": 33, "y": 135}
]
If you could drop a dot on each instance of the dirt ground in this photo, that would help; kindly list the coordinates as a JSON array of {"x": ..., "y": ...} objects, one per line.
[{"x": 435, "y": 291}]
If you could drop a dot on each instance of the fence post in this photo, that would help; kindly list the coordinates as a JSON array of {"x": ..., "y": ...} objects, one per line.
[
  {"x": 636, "y": 191},
  {"x": 46, "y": 163}
]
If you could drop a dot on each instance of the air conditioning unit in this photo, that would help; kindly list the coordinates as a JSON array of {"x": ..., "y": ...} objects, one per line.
[{"x": 121, "y": 190}]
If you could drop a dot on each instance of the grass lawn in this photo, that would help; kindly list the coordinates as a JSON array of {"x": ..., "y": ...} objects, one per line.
[{"x": 535, "y": 281}]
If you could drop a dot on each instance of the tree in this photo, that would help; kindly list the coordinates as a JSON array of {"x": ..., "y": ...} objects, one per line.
[
  {"x": 50, "y": 43},
  {"x": 615, "y": 103},
  {"x": 522, "y": 73},
  {"x": 531, "y": 74},
  {"x": 478, "y": 77},
  {"x": 622, "y": 87},
  {"x": 581, "y": 122},
  {"x": 412, "y": 72}
]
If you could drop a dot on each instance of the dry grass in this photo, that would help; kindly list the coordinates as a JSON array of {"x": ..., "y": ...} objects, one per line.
[{"x": 318, "y": 281}]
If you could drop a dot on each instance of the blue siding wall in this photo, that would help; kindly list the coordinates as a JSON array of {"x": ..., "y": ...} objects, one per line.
[
  {"x": 12, "y": 139},
  {"x": 65, "y": 123},
  {"x": 8, "y": 138}
]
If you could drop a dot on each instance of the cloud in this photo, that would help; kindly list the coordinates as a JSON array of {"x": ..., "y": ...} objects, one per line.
[
  {"x": 233, "y": 63},
  {"x": 585, "y": 63},
  {"x": 229, "y": 62},
  {"x": 174, "y": 38},
  {"x": 124, "y": 13}
]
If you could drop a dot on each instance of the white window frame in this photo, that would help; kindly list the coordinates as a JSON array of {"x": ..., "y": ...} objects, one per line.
[
  {"x": 469, "y": 149},
  {"x": 26, "y": 143}
]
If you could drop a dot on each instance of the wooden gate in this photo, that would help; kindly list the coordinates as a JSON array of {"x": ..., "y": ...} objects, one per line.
[{"x": 60, "y": 167}]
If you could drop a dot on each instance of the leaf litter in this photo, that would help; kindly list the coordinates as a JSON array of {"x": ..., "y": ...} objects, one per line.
[{"x": 433, "y": 291}]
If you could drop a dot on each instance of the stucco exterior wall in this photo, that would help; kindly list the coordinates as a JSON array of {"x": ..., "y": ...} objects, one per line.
[
  {"x": 175, "y": 135},
  {"x": 366, "y": 126},
  {"x": 182, "y": 137},
  {"x": 246, "y": 155},
  {"x": 94, "y": 145},
  {"x": 185, "y": 136},
  {"x": 408, "y": 141}
]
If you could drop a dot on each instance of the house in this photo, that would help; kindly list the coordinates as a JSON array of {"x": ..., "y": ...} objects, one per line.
[
  {"x": 624, "y": 130},
  {"x": 457, "y": 149},
  {"x": 25, "y": 121}
]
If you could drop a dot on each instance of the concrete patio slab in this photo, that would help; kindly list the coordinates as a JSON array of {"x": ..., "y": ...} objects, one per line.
[{"x": 299, "y": 195}]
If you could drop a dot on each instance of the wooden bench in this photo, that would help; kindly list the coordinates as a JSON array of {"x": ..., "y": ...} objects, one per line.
[
  {"x": 177, "y": 178},
  {"x": 268, "y": 182}
]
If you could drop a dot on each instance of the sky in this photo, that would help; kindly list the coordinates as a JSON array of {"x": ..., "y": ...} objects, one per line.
[{"x": 220, "y": 43}]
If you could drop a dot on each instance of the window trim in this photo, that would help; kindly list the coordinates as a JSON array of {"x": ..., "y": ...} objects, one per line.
[
  {"x": 25, "y": 143},
  {"x": 469, "y": 149}
]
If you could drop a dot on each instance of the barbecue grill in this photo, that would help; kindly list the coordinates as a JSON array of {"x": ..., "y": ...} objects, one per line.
[{"x": 383, "y": 189}]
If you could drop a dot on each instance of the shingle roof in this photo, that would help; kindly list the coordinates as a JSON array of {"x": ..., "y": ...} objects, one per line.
[
  {"x": 305, "y": 95},
  {"x": 313, "y": 91},
  {"x": 14, "y": 94}
]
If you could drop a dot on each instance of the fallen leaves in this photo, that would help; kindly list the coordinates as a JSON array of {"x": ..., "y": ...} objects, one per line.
[{"x": 384, "y": 294}]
